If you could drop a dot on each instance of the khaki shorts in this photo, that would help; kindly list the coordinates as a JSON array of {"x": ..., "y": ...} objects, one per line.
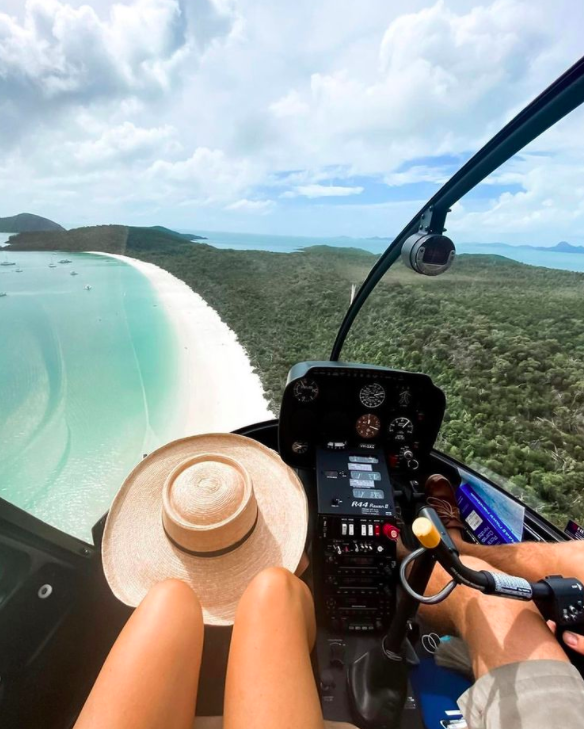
[{"x": 526, "y": 695}]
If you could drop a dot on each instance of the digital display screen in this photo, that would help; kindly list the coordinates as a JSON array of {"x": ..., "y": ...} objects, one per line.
[
  {"x": 363, "y": 459},
  {"x": 364, "y": 476},
  {"x": 368, "y": 494}
]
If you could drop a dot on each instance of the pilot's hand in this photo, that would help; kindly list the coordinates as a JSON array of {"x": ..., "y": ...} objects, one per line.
[{"x": 572, "y": 640}]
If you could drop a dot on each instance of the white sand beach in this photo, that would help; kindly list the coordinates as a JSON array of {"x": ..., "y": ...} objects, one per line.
[{"x": 220, "y": 389}]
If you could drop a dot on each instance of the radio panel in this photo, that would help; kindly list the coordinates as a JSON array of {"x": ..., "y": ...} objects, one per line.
[{"x": 356, "y": 540}]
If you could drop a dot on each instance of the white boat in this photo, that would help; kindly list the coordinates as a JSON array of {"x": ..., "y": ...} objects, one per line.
[
  {"x": 65, "y": 260},
  {"x": 52, "y": 265},
  {"x": 18, "y": 270},
  {"x": 7, "y": 263},
  {"x": 3, "y": 293},
  {"x": 87, "y": 287},
  {"x": 73, "y": 273}
]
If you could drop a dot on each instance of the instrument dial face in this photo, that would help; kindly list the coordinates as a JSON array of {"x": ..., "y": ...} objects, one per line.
[
  {"x": 368, "y": 426},
  {"x": 305, "y": 390},
  {"x": 400, "y": 428},
  {"x": 372, "y": 395}
]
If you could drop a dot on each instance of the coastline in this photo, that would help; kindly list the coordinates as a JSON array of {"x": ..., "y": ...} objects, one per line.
[{"x": 218, "y": 389}]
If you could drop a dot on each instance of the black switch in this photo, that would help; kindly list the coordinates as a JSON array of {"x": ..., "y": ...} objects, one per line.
[
  {"x": 337, "y": 654},
  {"x": 327, "y": 680}
]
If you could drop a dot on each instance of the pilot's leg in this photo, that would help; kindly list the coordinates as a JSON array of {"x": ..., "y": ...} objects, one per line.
[
  {"x": 497, "y": 630},
  {"x": 150, "y": 678},
  {"x": 531, "y": 560},
  {"x": 270, "y": 682},
  {"x": 524, "y": 678}
]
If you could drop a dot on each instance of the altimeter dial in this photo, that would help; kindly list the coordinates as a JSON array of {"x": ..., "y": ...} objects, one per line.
[
  {"x": 305, "y": 390},
  {"x": 400, "y": 428},
  {"x": 372, "y": 395},
  {"x": 368, "y": 426}
]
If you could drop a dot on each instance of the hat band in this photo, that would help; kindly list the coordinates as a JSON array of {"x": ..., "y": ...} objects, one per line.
[{"x": 217, "y": 552}]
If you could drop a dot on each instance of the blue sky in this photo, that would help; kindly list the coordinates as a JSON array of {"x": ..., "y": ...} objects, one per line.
[{"x": 335, "y": 118}]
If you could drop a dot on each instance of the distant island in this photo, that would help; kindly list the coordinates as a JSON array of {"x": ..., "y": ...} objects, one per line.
[
  {"x": 561, "y": 247},
  {"x": 27, "y": 223},
  {"x": 565, "y": 247}
]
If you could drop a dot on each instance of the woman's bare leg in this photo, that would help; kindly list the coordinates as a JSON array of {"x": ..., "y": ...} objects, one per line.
[
  {"x": 269, "y": 676},
  {"x": 149, "y": 680},
  {"x": 497, "y": 630}
]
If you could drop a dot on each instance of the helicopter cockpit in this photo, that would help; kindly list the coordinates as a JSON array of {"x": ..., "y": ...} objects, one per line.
[{"x": 363, "y": 440}]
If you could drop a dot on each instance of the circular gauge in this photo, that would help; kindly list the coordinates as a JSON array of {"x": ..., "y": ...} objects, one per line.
[
  {"x": 305, "y": 390},
  {"x": 400, "y": 428},
  {"x": 300, "y": 447},
  {"x": 368, "y": 425},
  {"x": 372, "y": 395}
]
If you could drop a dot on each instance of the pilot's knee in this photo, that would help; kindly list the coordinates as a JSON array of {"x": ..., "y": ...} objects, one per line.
[{"x": 477, "y": 564}]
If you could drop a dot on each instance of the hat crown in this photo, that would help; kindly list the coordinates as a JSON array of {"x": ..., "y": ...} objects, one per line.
[
  {"x": 207, "y": 492},
  {"x": 208, "y": 504}
]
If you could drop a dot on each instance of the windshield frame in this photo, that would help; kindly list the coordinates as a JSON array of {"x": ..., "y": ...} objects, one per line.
[{"x": 564, "y": 95}]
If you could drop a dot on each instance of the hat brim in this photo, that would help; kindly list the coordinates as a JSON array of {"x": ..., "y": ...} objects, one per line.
[{"x": 137, "y": 553}]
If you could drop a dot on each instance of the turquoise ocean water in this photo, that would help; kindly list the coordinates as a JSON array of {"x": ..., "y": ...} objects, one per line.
[{"x": 87, "y": 383}]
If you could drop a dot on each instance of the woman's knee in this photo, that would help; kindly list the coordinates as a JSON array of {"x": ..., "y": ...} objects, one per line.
[
  {"x": 275, "y": 590},
  {"x": 174, "y": 598},
  {"x": 276, "y": 582},
  {"x": 277, "y": 585}
]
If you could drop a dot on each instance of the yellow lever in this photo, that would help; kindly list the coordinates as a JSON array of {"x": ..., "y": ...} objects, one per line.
[{"x": 427, "y": 533}]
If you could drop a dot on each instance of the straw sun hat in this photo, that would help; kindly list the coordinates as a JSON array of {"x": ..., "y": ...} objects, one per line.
[{"x": 212, "y": 510}]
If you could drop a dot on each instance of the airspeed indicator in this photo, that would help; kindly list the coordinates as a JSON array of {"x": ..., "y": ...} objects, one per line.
[{"x": 372, "y": 395}]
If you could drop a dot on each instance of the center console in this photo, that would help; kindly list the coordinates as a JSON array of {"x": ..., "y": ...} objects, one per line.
[
  {"x": 361, "y": 437},
  {"x": 354, "y": 554}
]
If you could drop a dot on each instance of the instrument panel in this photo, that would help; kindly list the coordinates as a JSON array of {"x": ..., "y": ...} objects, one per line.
[{"x": 337, "y": 406}]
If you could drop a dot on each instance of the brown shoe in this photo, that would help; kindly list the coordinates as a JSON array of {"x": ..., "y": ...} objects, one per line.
[{"x": 440, "y": 495}]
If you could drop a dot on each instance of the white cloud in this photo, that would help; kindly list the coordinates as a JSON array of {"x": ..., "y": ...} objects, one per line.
[
  {"x": 164, "y": 109},
  {"x": 314, "y": 190},
  {"x": 208, "y": 172},
  {"x": 417, "y": 173},
  {"x": 261, "y": 207},
  {"x": 127, "y": 142},
  {"x": 60, "y": 50}
]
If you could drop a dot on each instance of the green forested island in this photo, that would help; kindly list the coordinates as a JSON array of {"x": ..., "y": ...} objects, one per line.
[
  {"x": 504, "y": 340},
  {"x": 24, "y": 222}
]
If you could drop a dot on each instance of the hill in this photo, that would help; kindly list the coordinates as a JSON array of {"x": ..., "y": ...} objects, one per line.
[
  {"x": 27, "y": 222},
  {"x": 106, "y": 238},
  {"x": 565, "y": 247},
  {"x": 187, "y": 236}
]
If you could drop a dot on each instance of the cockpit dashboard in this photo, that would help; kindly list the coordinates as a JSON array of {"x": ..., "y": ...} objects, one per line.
[{"x": 339, "y": 406}]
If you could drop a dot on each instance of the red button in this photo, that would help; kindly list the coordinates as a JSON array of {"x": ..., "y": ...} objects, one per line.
[
  {"x": 377, "y": 530},
  {"x": 391, "y": 532}
]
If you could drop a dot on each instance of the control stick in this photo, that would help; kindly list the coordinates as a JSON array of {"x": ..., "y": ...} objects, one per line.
[
  {"x": 560, "y": 599},
  {"x": 378, "y": 679}
]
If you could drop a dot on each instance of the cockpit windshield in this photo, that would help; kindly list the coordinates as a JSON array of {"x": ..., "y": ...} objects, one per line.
[
  {"x": 182, "y": 221},
  {"x": 502, "y": 332}
]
